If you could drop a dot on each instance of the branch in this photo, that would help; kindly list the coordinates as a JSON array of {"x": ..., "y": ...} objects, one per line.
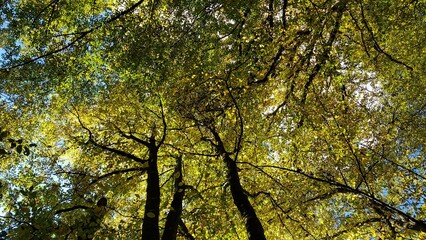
[
  {"x": 163, "y": 119},
  {"x": 383, "y": 156},
  {"x": 270, "y": 17},
  {"x": 184, "y": 230},
  {"x": 357, "y": 160},
  {"x": 192, "y": 153},
  {"x": 376, "y": 44},
  {"x": 239, "y": 119},
  {"x": 127, "y": 11},
  {"x": 132, "y": 137},
  {"x": 77, "y": 39},
  {"x": 220, "y": 147},
  {"x": 263, "y": 171},
  {"x": 361, "y": 33},
  {"x": 119, "y": 152},
  {"x": 271, "y": 68},
  {"x": 357, "y": 225},
  {"x": 113, "y": 150},
  {"x": 411, "y": 222},
  {"x": 118, "y": 172},
  {"x": 21, "y": 222},
  {"x": 276, "y": 205},
  {"x": 326, "y": 195},
  {"x": 283, "y": 12},
  {"x": 340, "y": 7},
  {"x": 44, "y": 9},
  {"x": 71, "y": 209}
]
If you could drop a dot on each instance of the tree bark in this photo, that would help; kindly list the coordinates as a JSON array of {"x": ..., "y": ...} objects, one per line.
[
  {"x": 173, "y": 218},
  {"x": 252, "y": 223},
  {"x": 150, "y": 230}
]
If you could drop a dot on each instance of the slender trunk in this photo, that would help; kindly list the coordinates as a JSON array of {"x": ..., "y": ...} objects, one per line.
[
  {"x": 150, "y": 230},
  {"x": 251, "y": 221},
  {"x": 172, "y": 222}
]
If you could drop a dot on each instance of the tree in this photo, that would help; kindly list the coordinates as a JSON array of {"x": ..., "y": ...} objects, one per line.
[{"x": 198, "y": 119}]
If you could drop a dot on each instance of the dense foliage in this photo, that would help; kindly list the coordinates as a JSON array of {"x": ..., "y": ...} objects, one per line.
[{"x": 269, "y": 119}]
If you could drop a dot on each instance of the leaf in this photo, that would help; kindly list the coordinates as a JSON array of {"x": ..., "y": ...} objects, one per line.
[
  {"x": 12, "y": 142},
  {"x": 145, "y": 164},
  {"x": 26, "y": 151},
  {"x": 150, "y": 214},
  {"x": 102, "y": 202},
  {"x": 3, "y": 135},
  {"x": 2, "y": 151},
  {"x": 19, "y": 149}
]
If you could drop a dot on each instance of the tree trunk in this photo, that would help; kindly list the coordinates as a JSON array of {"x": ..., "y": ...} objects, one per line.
[
  {"x": 150, "y": 230},
  {"x": 251, "y": 221},
  {"x": 172, "y": 222}
]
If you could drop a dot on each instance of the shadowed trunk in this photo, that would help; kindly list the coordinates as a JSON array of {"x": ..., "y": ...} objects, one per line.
[
  {"x": 173, "y": 218},
  {"x": 252, "y": 223},
  {"x": 150, "y": 230}
]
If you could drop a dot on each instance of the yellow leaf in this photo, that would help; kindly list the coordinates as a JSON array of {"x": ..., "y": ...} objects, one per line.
[{"x": 150, "y": 214}]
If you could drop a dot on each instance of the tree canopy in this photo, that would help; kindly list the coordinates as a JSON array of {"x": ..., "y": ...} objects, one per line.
[{"x": 269, "y": 119}]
